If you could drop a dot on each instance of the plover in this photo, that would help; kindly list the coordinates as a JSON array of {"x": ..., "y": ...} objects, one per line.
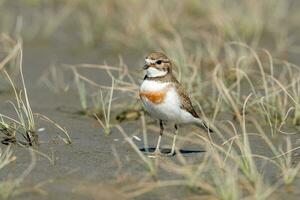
[{"x": 165, "y": 99}]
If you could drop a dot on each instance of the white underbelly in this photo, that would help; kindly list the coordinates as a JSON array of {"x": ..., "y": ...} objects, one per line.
[{"x": 169, "y": 110}]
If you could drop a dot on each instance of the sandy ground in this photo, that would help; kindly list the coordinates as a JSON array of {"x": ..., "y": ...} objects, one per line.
[
  {"x": 86, "y": 168},
  {"x": 89, "y": 160}
]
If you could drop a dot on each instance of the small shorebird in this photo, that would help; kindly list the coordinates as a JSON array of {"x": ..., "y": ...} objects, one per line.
[{"x": 165, "y": 98}]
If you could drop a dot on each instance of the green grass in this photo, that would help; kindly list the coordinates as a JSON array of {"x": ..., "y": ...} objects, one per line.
[
  {"x": 23, "y": 124},
  {"x": 198, "y": 24},
  {"x": 230, "y": 55},
  {"x": 219, "y": 54},
  {"x": 252, "y": 100},
  {"x": 11, "y": 186},
  {"x": 54, "y": 80},
  {"x": 6, "y": 187}
]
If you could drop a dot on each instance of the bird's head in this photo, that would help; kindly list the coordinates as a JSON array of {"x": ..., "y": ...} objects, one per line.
[{"x": 157, "y": 65}]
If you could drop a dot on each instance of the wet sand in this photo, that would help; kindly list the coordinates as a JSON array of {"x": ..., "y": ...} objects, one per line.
[
  {"x": 89, "y": 161},
  {"x": 87, "y": 168}
]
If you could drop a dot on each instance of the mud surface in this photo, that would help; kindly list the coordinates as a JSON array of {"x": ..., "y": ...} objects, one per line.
[
  {"x": 89, "y": 160},
  {"x": 88, "y": 168}
]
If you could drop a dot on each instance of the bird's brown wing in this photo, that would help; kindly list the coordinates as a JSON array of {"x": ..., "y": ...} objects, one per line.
[
  {"x": 186, "y": 104},
  {"x": 185, "y": 101}
]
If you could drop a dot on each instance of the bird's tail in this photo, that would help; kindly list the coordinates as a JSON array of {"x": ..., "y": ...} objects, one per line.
[{"x": 201, "y": 124}]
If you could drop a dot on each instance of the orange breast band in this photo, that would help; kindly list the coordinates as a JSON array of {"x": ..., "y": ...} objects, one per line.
[{"x": 154, "y": 97}]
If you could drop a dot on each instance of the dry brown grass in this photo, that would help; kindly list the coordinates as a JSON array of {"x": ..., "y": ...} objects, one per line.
[{"x": 231, "y": 56}]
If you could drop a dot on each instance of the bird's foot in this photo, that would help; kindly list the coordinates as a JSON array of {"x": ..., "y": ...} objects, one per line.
[
  {"x": 155, "y": 153},
  {"x": 158, "y": 153},
  {"x": 172, "y": 153}
]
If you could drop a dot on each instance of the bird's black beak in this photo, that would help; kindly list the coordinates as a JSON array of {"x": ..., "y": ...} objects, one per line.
[{"x": 146, "y": 66}]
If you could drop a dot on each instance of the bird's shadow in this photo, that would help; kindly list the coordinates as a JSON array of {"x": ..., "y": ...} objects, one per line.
[{"x": 168, "y": 150}]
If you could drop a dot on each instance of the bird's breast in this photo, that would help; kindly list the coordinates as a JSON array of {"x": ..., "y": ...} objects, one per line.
[
  {"x": 154, "y": 91},
  {"x": 154, "y": 97}
]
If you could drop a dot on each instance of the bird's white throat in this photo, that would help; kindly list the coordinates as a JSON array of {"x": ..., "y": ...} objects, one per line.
[{"x": 153, "y": 72}]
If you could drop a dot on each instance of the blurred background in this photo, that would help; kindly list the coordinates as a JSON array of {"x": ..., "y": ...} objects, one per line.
[{"x": 102, "y": 29}]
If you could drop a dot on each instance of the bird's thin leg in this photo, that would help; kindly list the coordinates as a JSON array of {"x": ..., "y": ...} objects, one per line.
[
  {"x": 157, "y": 151},
  {"x": 174, "y": 141}
]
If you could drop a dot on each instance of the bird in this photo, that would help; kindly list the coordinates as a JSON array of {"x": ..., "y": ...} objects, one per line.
[{"x": 165, "y": 99}]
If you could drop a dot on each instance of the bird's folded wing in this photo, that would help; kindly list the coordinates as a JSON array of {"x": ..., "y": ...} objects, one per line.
[{"x": 185, "y": 101}]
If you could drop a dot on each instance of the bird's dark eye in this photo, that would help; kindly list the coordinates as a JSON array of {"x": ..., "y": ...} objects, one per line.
[{"x": 158, "y": 62}]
